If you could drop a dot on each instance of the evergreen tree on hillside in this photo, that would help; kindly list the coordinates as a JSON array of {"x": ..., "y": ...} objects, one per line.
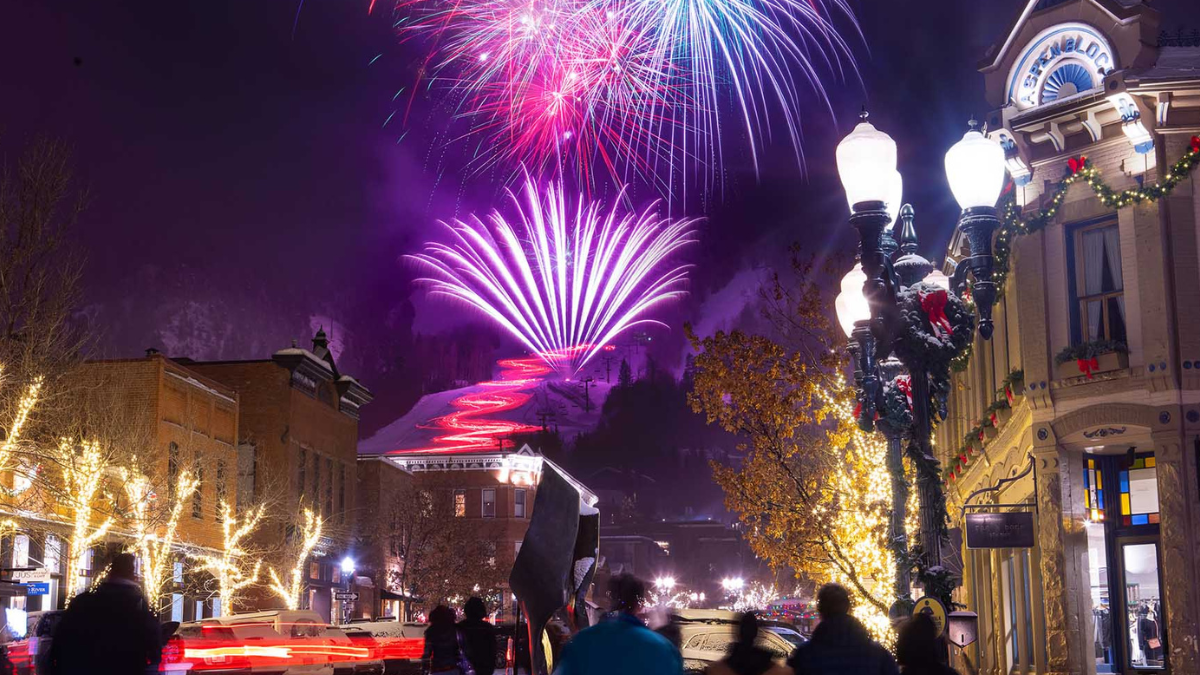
[{"x": 624, "y": 375}]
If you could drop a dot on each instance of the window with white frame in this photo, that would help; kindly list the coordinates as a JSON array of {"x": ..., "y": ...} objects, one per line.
[
  {"x": 519, "y": 503},
  {"x": 489, "y": 502},
  {"x": 1099, "y": 286}
]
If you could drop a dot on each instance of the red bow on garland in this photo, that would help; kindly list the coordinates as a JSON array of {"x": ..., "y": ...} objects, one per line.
[
  {"x": 1088, "y": 366},
  {"x": 904, "y": 384},
  {"x": 1196, "y": 144},
  {"x": 1075, "y": 165},
  {"x": 995, "y": 420},
  {"x": 1008, "y": 394},
  {"x": 934, "y": 306}
]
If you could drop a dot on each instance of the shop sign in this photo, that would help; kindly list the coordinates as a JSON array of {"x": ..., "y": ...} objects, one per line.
[
  {"x": 37, "y": 589},
  {"x": 934, "y": 609},
  {"x": 1000, "y": 530},
  {"x": 1062, "y": 60},
  {"x": 31, "y": 576}
]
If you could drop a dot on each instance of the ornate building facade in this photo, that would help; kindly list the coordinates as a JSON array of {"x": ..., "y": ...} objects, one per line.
[{"x": 1084, "y": 407}]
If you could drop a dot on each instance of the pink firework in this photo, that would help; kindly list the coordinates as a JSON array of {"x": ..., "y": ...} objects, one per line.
[{"x": 637, "y": 88}]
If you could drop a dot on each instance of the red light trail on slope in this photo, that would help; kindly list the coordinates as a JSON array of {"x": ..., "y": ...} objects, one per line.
[{"x": 471, "y": 427}]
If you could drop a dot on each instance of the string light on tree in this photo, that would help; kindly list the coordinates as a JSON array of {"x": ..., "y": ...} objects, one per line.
[
  {"x": 155, "y": 551},
  {"x": 83, "y": 470},
  {"x": 233, "y": 569},
  {"x": 289, "y": 589},
  {"x": 28, "y": 400}
]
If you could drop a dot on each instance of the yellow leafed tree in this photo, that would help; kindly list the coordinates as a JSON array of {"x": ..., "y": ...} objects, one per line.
[{"x": 813, "y": 491}]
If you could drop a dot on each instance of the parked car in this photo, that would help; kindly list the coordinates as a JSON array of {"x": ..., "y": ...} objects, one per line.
[{"x": 707, "y": 635}]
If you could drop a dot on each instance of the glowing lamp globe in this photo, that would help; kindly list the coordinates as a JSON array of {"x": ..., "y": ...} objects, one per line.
[
  {"x": 939, "y": 279},
  {"x": 975, "y": 170},
  {"x": 851, "y": 304},
  {"x": 347, "y": 565},
  {"x": 866, "y": 161}
]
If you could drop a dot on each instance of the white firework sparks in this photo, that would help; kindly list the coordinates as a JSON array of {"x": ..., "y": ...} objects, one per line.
[{"x": 565, "y": 276}]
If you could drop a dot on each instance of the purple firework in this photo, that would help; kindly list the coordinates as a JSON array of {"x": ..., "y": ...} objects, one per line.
[{"x": 564, "y": 276}]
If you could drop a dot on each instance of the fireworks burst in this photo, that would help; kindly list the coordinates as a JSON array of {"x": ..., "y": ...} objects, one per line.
[
  {"x": 567, "y": 276},
  {"x": 636, "y": 88}
]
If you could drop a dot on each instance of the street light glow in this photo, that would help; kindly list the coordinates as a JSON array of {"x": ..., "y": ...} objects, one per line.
[
  {"x": 347, "y": 565},
  {"x": 665, "y": 583},
  {"x": 733, "y": 583}
]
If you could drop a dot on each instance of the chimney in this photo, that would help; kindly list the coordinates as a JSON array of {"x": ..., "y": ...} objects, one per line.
[{"x": 151, "y": 351}]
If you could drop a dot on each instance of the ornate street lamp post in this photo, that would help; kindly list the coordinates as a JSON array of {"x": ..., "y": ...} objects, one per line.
[{"x": 906, "y": 321}]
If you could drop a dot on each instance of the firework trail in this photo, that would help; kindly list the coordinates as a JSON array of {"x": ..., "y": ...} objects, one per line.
[
  {"x": 469, "y": 427},
  {"x": 564, "y": 277},
  {"x": 650, "y": 89}
]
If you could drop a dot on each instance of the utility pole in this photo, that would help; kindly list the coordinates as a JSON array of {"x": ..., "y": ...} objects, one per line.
[
  {"x": 587, "y": 397},
  {"x": 607, "y": 368}
]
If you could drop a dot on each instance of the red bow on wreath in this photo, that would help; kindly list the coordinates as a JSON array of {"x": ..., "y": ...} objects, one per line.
[
  {"x": 1076, "y": 165},
  {"x": 1088, "y": 366},
  {"x": 934, "y": 306},
  {"x": 1196, "y": 144},
  {"x": 904, "y": 384}
]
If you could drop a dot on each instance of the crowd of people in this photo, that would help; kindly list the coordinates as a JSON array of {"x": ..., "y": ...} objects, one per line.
[
  {"x": 840, "y": 645},
  {"x": 110, "y": 630}
]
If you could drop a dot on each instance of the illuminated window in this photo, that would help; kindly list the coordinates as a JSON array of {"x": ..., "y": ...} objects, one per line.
[
  {"x": 1139, "y": 492},
  {"x": 460, "y": 503},
  {"x": 489, "y": 502},
  {"x": 53, "y": 556},
  {"x": 1093, "y": 492},
  {"x": 519, "y": 503}
]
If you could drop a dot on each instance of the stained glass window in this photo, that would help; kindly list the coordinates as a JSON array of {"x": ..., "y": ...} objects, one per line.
[
  {"x": 1093, "y": 491},
  {"x": 1139, "y": 492}
]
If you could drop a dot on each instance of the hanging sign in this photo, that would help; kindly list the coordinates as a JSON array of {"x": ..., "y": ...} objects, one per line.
[
  {"x": 34, "y": 576},
  {"x": 37, "y": 589},
  {"x": 1000, "y": 530}
]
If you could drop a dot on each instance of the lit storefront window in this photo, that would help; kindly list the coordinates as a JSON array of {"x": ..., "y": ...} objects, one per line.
[{"x": 1139, "y": 493}]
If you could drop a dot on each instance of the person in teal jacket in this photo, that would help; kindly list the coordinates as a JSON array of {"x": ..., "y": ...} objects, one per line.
[{"x": 621, "y": 643}]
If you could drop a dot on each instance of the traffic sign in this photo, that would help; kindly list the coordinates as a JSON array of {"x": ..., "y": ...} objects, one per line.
[
  {"x": 342, "y": 595},
  {"x": 934, "y": 609},
  {"x": 38, "y": 589},
  {"x": 39, "y": 575}
]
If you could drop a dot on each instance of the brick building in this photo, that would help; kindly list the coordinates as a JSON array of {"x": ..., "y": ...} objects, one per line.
[
  {"x": 494, "y": 490},
  {"x": 299, "y": 432},
  {"x": 377, "y": 559},
  {"x": 172, "y": 419},
  {"x": 1102, "y": 450}
]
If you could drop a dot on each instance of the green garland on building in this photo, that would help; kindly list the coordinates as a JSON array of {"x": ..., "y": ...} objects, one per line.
[{"x": 1012, "y": 225}]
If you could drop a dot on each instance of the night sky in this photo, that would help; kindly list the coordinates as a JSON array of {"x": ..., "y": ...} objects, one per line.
[{"x": 245, "y": 187}]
